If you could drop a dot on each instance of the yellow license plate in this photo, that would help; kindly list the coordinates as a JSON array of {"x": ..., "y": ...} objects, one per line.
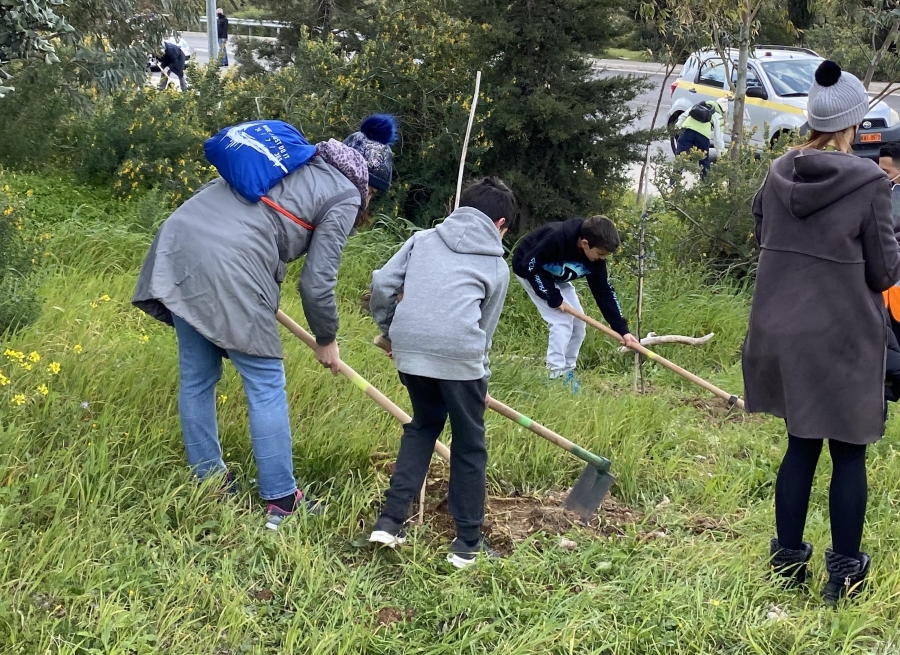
[{"x": 870, "y": 138}]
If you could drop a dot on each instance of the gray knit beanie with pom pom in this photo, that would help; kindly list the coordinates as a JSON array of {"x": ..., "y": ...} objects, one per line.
[{"x": 837, "y": 100}]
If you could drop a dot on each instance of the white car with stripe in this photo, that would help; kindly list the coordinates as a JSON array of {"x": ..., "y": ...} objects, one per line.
[{"x": 778, "y": 82}]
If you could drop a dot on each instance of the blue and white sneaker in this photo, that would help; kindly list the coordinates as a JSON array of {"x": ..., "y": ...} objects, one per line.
[{"x": 570, "y": 381}]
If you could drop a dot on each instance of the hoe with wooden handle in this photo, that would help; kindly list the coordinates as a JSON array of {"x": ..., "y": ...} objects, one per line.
[
  {"x": 359, "y": 381},
  {"x": 595, "y": 480},
  {"x": 731, "y": 398}
]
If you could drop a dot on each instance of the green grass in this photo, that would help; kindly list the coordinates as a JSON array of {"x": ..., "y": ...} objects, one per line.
[
  {"x": 624, "y": 53},
  {"x": 107, "y": 546}
]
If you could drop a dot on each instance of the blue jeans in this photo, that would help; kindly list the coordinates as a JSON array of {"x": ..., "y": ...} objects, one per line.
[
  {"x": 200, "y": 368},
  {"x": 223, "y": 52},
  {"x": 691, "y": 139}
]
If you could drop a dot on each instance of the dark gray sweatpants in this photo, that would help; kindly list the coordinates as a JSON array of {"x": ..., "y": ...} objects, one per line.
[{"x": 433, "y": 401}]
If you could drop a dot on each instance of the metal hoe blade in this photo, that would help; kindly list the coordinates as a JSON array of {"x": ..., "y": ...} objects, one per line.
[{"x": 588, "y": 492}]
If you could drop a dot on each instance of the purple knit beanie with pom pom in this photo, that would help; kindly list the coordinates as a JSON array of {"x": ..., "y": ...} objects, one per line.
[{"x": 373, "y": 142}]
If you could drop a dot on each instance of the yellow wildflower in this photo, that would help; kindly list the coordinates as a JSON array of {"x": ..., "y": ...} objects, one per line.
[
  {"x": 14, "y": 354},
  {"x": 53, "y": 368},
  {"x": 94, "y": 305},
  {"x": 77, "y": 348},
  {"x": 34, "y": 357},
  {"x": 145, "y": 338},
  {"x": 43, "y": 390},
  {"x": 105, "y": 298},
  {"x": 222, "y": 399},
  {"x": 18, "y": 399},
  {"x": 29, "y": 193},
  {"x": 3, "y": 380}
]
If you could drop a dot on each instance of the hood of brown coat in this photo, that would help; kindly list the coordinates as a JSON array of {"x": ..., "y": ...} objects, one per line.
[{"x": 807, "y": 181}]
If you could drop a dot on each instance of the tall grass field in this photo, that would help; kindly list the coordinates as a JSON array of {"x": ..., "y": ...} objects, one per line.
[{"x": 107, "y": 546}]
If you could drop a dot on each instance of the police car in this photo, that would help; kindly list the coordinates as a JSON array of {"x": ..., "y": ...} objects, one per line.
[{"x": 778, "y": 83}]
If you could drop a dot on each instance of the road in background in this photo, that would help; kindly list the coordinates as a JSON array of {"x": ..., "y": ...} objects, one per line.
[
  {"x": 200, "y": 47},
  {"x": 644, "y": 104}
]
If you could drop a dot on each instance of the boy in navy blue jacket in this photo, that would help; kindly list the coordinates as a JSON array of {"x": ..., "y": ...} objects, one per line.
[{"x": 546, "y": 261}]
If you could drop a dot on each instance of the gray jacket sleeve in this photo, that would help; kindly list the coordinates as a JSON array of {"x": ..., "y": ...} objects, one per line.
[
  {"x": 319, "y": 275},
  {"x": 387, "y": 282},
  {"x": 491, "y": 307}
]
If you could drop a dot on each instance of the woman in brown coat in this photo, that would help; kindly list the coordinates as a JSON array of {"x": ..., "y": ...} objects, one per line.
[{"x": 815, "y": 350}]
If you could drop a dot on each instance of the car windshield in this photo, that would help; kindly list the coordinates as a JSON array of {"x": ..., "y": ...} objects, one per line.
[{"x": 791, "y": 77}]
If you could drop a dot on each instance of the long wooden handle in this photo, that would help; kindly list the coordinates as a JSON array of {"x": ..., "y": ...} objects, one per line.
[
  {"x": 731, "y": 398},
  {"x": 600, "y": 463},
  {"x": 358, "y": 380}
]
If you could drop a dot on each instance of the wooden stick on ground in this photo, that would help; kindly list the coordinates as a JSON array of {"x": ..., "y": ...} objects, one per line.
[{"x": 653, "y": 339}]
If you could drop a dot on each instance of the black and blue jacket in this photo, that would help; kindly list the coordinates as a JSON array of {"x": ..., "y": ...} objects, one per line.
[{"x": 550, "y": 255}]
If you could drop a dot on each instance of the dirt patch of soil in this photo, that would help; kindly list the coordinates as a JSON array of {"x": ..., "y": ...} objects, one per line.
[
  {"x": 509, "y": 520},
  {"x": 389, "y": 615},
  {"x": 705, "y": 524},
  {"x": 716, "y": 411}
]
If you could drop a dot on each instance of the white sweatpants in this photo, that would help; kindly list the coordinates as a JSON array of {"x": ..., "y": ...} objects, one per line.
[{"x": 566, "y": 332}]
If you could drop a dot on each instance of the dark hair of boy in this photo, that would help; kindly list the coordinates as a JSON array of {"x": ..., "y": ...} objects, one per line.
[
  {"x": 491, "y": 197},
  {"x": 600, "y": 232},
  {"x": 891, "y": 151}
]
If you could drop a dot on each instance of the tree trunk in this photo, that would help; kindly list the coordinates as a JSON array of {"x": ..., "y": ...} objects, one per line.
[
  {"x": 799, "y": 14},
  {"x": 670, "y": 68},
  {"x": 740, "y": 91},
  {"x": 878, "y": 55},
  {"x": 526, "y": 219}
]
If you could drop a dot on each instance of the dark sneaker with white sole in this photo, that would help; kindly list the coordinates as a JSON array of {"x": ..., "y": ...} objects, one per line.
[
  {"x": 463, "y": 554},
  {"x": 387, "y": 532},
  {"x": 275, "y": 516}
]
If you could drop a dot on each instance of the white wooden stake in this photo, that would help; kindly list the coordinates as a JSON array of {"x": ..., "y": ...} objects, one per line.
[{"x": 465, "y": 148}]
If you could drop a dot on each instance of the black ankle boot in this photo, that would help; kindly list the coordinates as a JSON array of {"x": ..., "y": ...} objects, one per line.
[
  {"x": 791, "y": 565},
  {"x": 846, "y": 575}
]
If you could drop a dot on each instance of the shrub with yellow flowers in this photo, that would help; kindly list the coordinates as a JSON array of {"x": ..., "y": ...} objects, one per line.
[{"x": 140, "y": 138}]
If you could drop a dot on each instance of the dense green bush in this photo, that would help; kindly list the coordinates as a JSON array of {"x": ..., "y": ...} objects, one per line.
[
  {"x": 140, "y": 138},
  {"x": 19, "y": 254},
  {"x": 415, "y": 62},
  {"x": 716, "y": 212},
  {"x": 34, "y": 118}
]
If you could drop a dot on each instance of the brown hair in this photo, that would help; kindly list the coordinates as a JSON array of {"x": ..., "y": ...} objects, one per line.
[
  {"x": 490, "y": 196},
  {"x": 600, "y": 232},
  {"x": 818, "y": 140}
]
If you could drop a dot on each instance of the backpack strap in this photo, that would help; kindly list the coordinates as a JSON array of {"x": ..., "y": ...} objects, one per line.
[{"x": 324, "y": 209}]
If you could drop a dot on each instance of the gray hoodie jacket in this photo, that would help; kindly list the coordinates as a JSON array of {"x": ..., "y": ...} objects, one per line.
[
  {"x": 218, "y": 261},
  {"x": 454, "y": 280}
]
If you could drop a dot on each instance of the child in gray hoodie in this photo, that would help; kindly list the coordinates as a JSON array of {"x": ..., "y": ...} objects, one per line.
[{"x": 453, "y": 279}]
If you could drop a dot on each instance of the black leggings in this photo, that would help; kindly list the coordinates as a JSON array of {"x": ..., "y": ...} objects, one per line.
[{"x": 846, "y": 499}]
